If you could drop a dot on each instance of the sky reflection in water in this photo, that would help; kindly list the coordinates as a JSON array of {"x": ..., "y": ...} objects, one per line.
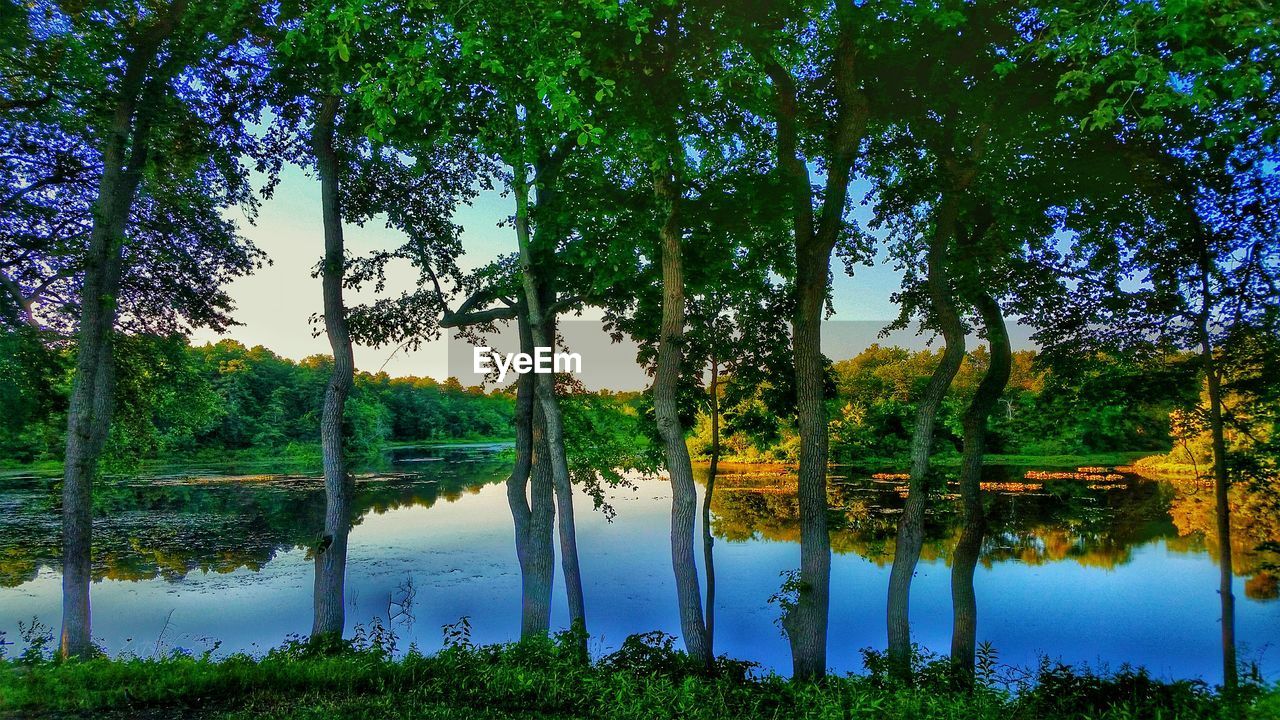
[{"x": 1098, "y": 576}]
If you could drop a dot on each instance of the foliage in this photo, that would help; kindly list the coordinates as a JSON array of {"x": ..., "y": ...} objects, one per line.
[
  {"x": 605, "y": 442},
  {"x": 61, "y": 75},
  {"x": 645, "y": 678},
  {"x": 175, "y": 399},
  {"x": 1105, "y": 403}
]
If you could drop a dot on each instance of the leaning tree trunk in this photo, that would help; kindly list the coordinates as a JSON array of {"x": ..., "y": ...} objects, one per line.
[
  {"x": 963, "y": 601},
  {"x": 543, "y": 336},
  {"x": 1221, "y": 489},
  {"x": 911, "y": 524},
  {"x": 708, "y": 540},
  {"x": 329, "y": 618},
  {"x": 684, "y": 495},
  {"x": 89, "y": 416},
  {"x": 530, "y": 495}
]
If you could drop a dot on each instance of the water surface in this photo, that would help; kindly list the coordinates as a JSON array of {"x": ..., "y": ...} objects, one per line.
[{"x": 1102, "y": 573}]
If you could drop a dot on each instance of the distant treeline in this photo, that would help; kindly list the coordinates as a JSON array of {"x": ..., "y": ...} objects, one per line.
[
  {"x": 174, "y": 398},
  {"x": 1102, "y": 404}
]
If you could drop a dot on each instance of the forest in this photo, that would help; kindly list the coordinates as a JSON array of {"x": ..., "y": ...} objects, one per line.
[
  {"x": 708, "y": 178},
  {"x": 175, "y": 400}
]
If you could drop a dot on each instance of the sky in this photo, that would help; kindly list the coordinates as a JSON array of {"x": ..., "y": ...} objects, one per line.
[{"x": 275, "y": 304}]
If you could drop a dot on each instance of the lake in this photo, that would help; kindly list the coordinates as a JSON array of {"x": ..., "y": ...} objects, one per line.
[{"x": 1098, "y": 571}]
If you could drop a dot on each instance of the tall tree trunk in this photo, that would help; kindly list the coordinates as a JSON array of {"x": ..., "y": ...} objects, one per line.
[
  {"x": 124, "y": 156},
  {"x": 329, "y": 618},
  {"x": 1221, "y": 486},
  {"x": 806, "y": 624},
  {"x": 684, "y": 494},
  {"x": 543, "y": 336},
  {"x": 530, "y": 495},
  {"x": 963, "y": 601},
  {"x": 708, "y": 540},
  {"x": 911, "y": 524}
]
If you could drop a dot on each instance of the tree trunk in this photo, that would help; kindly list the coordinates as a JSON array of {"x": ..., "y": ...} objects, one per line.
[
  {"x": 532, "y": 505},
  {"x": 125, "y": 154},
  {"x": 1221, "y": 489},
  {"x": 543, "y": 336},
  {"x": 963, "y": 601},
  {"x": 911, "y": 524},
  {"x": 329, "y": 618},
  {"x": 1221, "y": 495},
  {"x": 806, "y": 624},
  {"x": 684, "y": 495},
  {"x": 708, "y": 540}
]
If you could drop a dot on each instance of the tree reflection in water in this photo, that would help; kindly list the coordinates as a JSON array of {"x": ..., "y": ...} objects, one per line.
[
  {"x": 168, "y": 527},
  {"x": 1095, "y": 525}
]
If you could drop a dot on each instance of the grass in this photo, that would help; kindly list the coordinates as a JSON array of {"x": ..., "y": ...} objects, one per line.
[
  {"x": 477, "y": 440},
  {"x": 646, "y": 678},
  {"x": 951, "y": 459},
  {"x": 1102, "y": 459},
  {"x": 291, "y": 458}
]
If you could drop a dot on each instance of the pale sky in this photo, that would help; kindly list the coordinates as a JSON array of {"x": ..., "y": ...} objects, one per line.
[{"x": 274, "y": 304}]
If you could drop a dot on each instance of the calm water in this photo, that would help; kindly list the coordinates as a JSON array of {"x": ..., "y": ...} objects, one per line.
[{"x": 1097, "y": 573}]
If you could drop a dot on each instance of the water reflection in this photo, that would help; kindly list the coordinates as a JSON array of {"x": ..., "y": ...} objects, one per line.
[
  {"x": 1114, "y": 571},
  {"x": 169, "y": 526},
  {"x": 1032, "y": 523},
  {"x": 964, "y": 601}
]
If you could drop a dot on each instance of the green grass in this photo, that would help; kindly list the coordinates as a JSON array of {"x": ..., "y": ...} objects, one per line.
[
  {"x": 10, "y": 468},
  {"x": 292, "y": 458},
  {"x": 477, "y": 440},
  {"x": 645, "y": 679},
  {"x": 1105, "y": 459},
  {"x": 951, "y": 459}
]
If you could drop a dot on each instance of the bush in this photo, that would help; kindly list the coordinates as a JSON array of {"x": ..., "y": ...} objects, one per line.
[{"x": 645, "y": 678}]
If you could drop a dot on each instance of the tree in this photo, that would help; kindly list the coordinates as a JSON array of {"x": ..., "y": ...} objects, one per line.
[
  {"x": 657, "y": 112},
  {"x": 143, "y": 78},
  {"x": 1186, "y": 94},
  {"x": 968, "y": 183},
  {"x": 830, "y": 73},
  {"x": 367, "y": 167},
  {"x": 528, "y": 103}
]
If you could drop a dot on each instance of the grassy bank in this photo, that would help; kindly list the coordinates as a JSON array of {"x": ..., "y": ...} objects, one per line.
[
  {"x": 951, "y": 460},
  {"x": 645, "y": 679},
  {"x": 1105, "y": 459},
  {"x": 1175, "y": 465},
  {"x": 291, "y": 458}
]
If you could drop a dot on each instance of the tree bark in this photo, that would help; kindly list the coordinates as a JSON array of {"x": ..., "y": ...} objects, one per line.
[
  {"x": 546, "y": 397},
  {"x": 329, "y": 619},
  {"x": 1221, "y": 487},
  {"x": 530, "y": 495},
  {"x": 806, "y": 622},
  {"x": 911, "y": 524},
  {"x": 708, "y": 539},
  {"x": 684, "y": 495},
  {"x": 990, "y": 388},
  {"x": 125, "y": 153}
]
